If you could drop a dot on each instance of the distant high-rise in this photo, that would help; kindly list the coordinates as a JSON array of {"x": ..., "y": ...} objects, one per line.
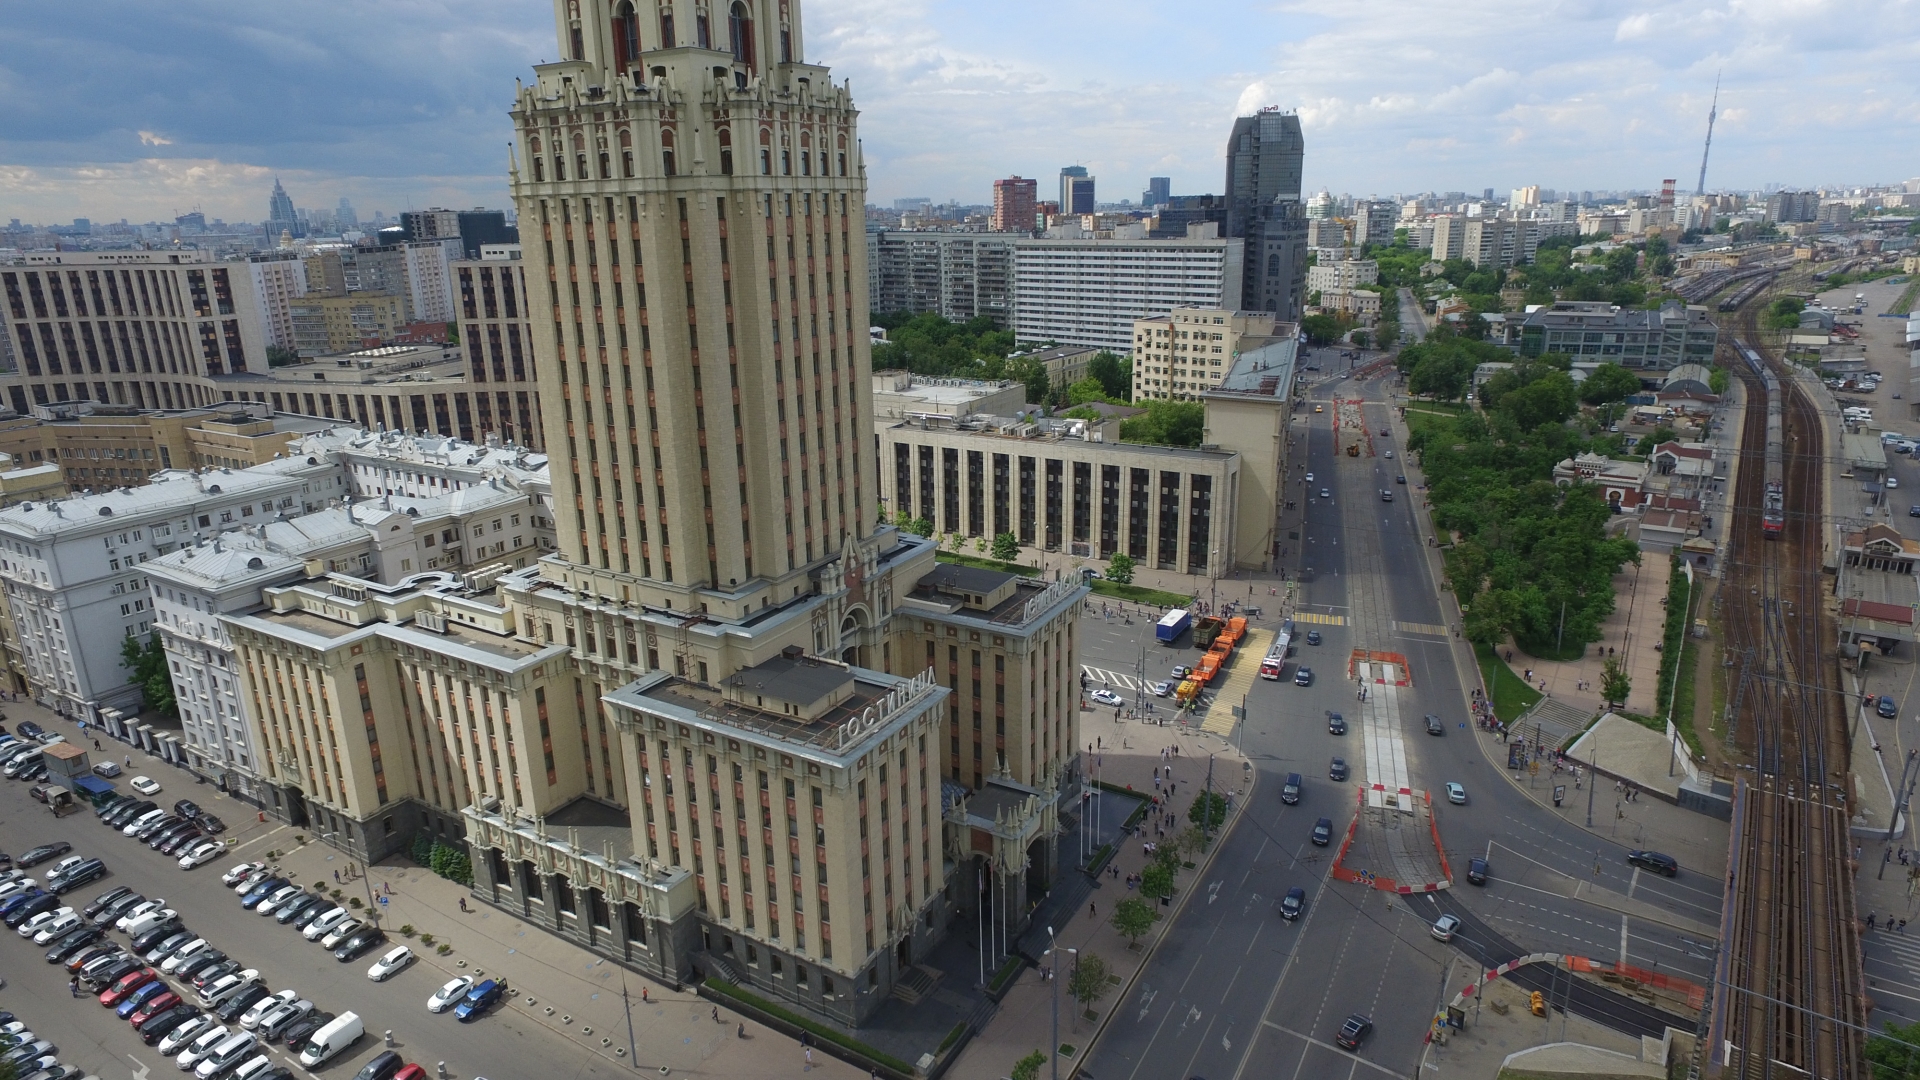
[
  {"x": 281, "y": 216},
  {"x": 1265, "y": 156},
  {"x": 1076, "y": 190},
  {"x": 1013, "y": 200},
  {"x": 345, "y": 216},
  {"x": 1159, "y": 190}
]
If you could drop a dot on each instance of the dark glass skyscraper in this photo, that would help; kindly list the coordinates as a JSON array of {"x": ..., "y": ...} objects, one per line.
[{"x": 1265, "y": 157}]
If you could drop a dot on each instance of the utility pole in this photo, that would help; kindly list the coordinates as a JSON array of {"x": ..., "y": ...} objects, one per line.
[
  {"x": 1593, "y": 778},
  {"x": 633, "y": 1051}
]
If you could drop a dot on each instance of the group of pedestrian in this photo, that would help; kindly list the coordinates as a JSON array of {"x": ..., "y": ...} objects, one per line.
[{"x": 1898, "y": 927}]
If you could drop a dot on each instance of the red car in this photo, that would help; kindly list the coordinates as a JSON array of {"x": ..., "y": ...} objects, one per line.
[
  {"x": 162, "y": 1001},
  {"x": 411, "y": 1072},
  {"x": 131, "y": 981}
]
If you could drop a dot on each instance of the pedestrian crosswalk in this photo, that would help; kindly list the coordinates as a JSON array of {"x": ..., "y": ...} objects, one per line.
[
  {"x": 1435, "y": 629},
  {"x": 1112, "y": 679},
  {"x": 1318, "y": 619}
]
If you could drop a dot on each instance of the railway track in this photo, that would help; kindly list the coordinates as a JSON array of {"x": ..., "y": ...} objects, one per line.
[{"x": 1789, "y": 999}]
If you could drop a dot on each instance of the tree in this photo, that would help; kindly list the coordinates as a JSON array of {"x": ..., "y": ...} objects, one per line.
[
  {"x": 1548, "y": 400},
  {"x": 1660, "y": 434},
  {"x": 1208, "y": 811},
  {"x": 980, "y": 545},
  {"x": 1033, "y": 374},
  {"x": 1360, "y": 338},
  {"x": 1784, "y": 313},
  {"x": 1717, "y": 382},
  {"x": 1120, "y": 568},
  {"x": 1322, "y": 329},
  {"x": 1133, "y": 917},
  {"x": 148, "y": 663},
  {"x": 1156, "y": 881},
  {"x": 1609, "y": 382},
  {"x": 1087, "y": 390},
  {"x": 955, "y": 542},
  {"x": 1006, "y": 547},
  {"x": 281, "y": 356},
  {"x": 1088, "y": 983},
  {"x": 1614, "y": 683},
  {"x": 1896, "y": 1054},
  {"x": 1115, "y": 375},
  {"x": 1028, "y": 1068},
  {"x": 1167, "y": 423}
]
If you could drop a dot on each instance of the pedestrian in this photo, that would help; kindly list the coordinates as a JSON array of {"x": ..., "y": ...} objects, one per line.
[
  {"x": 809, "y": 1052},
  {"x": 1090, "y": 909},
  {"x": 716, "y": 1014},
  {"x": 96, "y": 744},
  {"x": 463, "y": 903},
  {"x": 73, "y": 986},
  {"x": 129, "y": 761},
  {"x": 1871, "y": 915},
  {"x": 1902, "y": 928},
  {"x": 644, "y": 999},
  {"x": 336, "y": 877},
  {"x": 743, "y": 1030}
]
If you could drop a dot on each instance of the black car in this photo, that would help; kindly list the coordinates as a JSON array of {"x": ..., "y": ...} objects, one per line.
[
  {"x": 153, "y": 828},
  {"x": 304, "y": 1027},
  {"x": 30, "y": 729},
  {"x": 119, "y": 818},
  {"x": 166, "y": 946},
  {"x": 1336, "y": 724},
  {"x": 112, "y": 912},
  {"x": 1337, "y": 769},
  {"x": 213, "y": 973},
  {"x": 100, "y": 902},
  {"x": 158, "y": 1025},
  {"x": 292, "y": 909},
  {"x": 111, "y": 803},
  {"x": 1313, "y": 637},
  {"x": 309, "y": 913},
  {"x": 1648, "y": 860},
  {"x": 1434, "y": 726},
  {"x": 382, "y": 1067},
  {"x": 84, "y": 874},
  {"x": 231, "y": 1009},
  {"x": 1290, "y": 791},
  {"x": 151, "y": 939},
  {"x": 35, "y": 771},
  {"x": 208, "y": 959},
  {"x": 359, "y": 944},
  {"x": 65, "y": 947},
  {"x": 1354, "y": 1031},
  {"x": 170, "y": 828},
  {"x": 111, "y": 974},
  {"x": 43, "y": 902},
  {"x": 1303, "y": 677},
  {"x": 1477, "y": 870},
  {"x": 1294, "y": 903},
  {"x": 97, "y": 951},
  {"x": 11, "y": 902},
  {"x": 1886, "y": 707},
  {"x": 36, "y": 856},
  {"x": 181, "y": 841},
  {"x": 1323, "y": 832},
  {"x": 187, "y": 808},
  {"x": 213, "y": 825}
]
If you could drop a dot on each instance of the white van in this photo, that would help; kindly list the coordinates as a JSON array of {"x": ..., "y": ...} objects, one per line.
[
  {"x": 344, "y": 1031},
  {"x": 226, "y": 1054}
]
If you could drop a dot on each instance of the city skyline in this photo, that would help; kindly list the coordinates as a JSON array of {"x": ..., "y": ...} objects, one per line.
[{"x": 1406, "y": 100}]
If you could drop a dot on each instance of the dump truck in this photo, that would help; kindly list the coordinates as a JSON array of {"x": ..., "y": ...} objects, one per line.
[{"x": 1206, "y": 629}]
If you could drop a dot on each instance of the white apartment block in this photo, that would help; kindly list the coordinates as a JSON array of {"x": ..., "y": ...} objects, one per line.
[
  {"x": 959, "y": 275},
  {"x": 430, "y": 278},
  {"x": 1344, "y": 274},
  {"x": 75, "y": 569},
  {"x": 279, "y": 278},
  {"x": 1089, "y": 292},
  {"x": 1179, "y": 355},
  {"x": 1374, "y": 221}
]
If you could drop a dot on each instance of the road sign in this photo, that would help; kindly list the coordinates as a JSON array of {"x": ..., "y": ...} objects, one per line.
[{"x": 383, "y": 900}]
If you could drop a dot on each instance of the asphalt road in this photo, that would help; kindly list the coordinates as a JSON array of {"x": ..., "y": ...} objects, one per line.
[
  {"x": 92, "y": 1038},
  {"x": 1235, "y": 991}
]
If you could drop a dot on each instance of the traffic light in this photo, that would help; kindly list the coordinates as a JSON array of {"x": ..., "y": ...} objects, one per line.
[{"x": 1538, "y": 1002}]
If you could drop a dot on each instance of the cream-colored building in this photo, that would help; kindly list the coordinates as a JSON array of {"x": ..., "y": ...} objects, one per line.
[
  {"x": 1361, "y": 303},
  {"x": 1343, "y": 274},
  {"x": 901, "y": 394},
  {"x": 1188, "y": 350}
]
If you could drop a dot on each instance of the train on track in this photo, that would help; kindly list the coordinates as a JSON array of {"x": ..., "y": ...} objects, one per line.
[{"x": 1773, "y": 507}]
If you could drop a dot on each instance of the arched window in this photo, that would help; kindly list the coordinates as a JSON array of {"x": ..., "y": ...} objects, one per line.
[
  {"x": 626, "y": 153},
  {"x": 626, "y": 36},
  {"x": 580, "y": 157},
  {"x": 666, "y": 152},
  {"x": 666, "y": 28},
  {"x": 740, "y": 34},
  {"x": 539, "y": 163},
  {"x": 726, "y": 152},
  {"x": 1273, "y": 265}
]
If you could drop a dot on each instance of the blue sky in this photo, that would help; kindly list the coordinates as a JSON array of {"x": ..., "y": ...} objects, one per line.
[{"x": 143, "y": 110}]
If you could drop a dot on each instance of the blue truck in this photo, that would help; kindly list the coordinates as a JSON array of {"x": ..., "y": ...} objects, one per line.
[{"x": 1172, "y": 625}]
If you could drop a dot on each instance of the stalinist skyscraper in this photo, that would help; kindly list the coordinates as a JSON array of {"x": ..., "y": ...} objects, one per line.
[{"x": 796, "y": 748}]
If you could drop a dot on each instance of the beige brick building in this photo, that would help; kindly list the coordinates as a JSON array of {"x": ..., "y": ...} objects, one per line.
[{"x": 1188, "y": 350}]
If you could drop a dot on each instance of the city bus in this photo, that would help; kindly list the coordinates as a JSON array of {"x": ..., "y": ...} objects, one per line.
[{"x": 1276, "y": 657}]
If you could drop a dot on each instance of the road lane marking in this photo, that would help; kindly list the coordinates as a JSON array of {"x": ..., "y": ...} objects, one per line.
[
  {"x": 1623, "y": 938},
  {"x": 1355, "y": 1058},
  {"x": 237, "y": 848}
]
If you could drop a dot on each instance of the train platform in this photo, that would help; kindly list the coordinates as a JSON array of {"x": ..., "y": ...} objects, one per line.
[{"x": 1877, "y": 764}]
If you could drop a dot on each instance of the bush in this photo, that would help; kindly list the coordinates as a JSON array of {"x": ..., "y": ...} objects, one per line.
[
  {"x": 444, "y": 949},
  {"x": 1672, "y": 636},
  {"x": 451, "y": 863},
  {"x": 426, "y": 939},
  {"x": 421, "y": 850},
  {"x": 726, "y": 989},
  {"x": 1028, "y": 1068},
  {"x": 406, "y": 930},
  {"x": 320, "y": 887},
  {"x": 355, "y": 903}
]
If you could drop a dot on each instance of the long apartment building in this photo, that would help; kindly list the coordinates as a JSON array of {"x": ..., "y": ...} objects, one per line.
[
  {"x": 149, "y": 329},
  {"x": 1179, "y": 355},
  {"x": 1089, "y": 292},
  {"x": 958, "y": 275}
]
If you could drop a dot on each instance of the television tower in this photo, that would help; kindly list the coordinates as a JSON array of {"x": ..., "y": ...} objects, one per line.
[{"x": 1701, "y": 188}]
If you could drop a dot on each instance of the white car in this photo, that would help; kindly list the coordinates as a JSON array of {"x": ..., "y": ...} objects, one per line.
[
  {"x": 1162, "y": 688},
  {"x": 278, "y": 897},
  {"x": 179, "y": 1037},
  {"x": 391, "y": 963},
  {"x": 449, "y": 995},
  {"x": 65, "y": 865},
  {"x": 319, "y": 927},
  {"x": 1107, "y": 697},
  {"x": 216, "y": 992},
  {"x": 1444, "y": 927},
  {"x": 1893, "y": 481},
  {"x": 235, "y": 873},
  {"x": 145, "y": 785},
  {"x": 340, "y": 933},
  {"x": 183, "y": 954},
  {"x": 59, "y": 927},
  {"x": 136, "y": 911},
  {"x": 265, "y": 1005},
  {"x": 281, "y": 1016},
  {"x": 150, "y": 920},
  {"x": 17, "y": 886},
  {"x": 201, "y": 1046},
  {"x": 201, "y": 854},
  {"x": 1309, "y": 478},
  {"x": 33, "y": 926}
]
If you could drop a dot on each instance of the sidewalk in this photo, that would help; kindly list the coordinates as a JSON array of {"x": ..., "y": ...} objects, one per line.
[{"x": 1128, "y": 753}]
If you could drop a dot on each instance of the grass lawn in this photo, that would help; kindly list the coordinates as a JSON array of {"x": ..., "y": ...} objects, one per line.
[
  {"x": 1140, "y": 594},
  {"x": 1511, "y": 696}
]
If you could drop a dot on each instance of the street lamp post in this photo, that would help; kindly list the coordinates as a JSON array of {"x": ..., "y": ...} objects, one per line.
[
  {"x": 1053, "y": 976},
  {"x": 373, "y": 909}
]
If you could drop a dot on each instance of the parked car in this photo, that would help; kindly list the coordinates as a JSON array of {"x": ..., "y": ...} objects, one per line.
[
  {"x": 450, "y": 994},
  {"x": 333, "y": 938},
  {"x": 161, "y": 1025},
  {"x": 100, "y": 902},
  {"x": 359, "y": 943},
  {"x": 73, "y": 943},
  {"x": 179, "y": 1037},
  {"x": 187, "y": 808},
  {"x": 291, "y": 910},
  {"x": 266, "y": 1004},
  {"x": 230, "y": 1010},
  {"x": 201, "y": 854},
  {"x": 390, "y": 964},
  {"x": 113, "y": 995},
  {"x": 202, "y": 1045},
  {"x": 107, "y": 770},
  {"x": 38, "y": 855},
  {"x": 479, "y": 999},
  {"x": 302, "y": 1029},
  {"x": 235, "y": 873},
  {"x": 145, "y": 785}
]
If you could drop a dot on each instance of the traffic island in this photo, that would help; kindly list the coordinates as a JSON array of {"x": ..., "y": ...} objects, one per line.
[{"x": 1393, "y": 843}]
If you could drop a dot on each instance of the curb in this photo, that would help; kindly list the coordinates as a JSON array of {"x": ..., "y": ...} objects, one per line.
[{"x": 1146, "y": 956}]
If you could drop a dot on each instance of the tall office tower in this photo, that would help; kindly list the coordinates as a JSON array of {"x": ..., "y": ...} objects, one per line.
[
  {"x": 1159, "y": 190},
  {"x": 1076, "y": 190},
  {"x": 1265, "y": 156},
  {"x": 281, "y": 216},
  {"x": 1013, "y": 204},
  {"x": 695, "y": 256},
  {"x": 345, "y": 216}
]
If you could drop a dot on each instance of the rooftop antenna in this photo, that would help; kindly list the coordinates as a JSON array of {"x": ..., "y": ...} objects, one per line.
[{"x": 1701, "y": 188}]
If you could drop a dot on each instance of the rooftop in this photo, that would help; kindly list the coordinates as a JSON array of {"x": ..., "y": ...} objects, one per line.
[
  {"x": 1263, "y": 372},
  {"x": 871, "y": 700}
]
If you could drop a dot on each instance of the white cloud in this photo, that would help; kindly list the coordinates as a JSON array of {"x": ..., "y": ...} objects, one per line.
[{"x": 149, "y": 138}]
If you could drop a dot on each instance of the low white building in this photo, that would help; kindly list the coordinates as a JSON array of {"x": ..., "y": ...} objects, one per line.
[{"x": 1342, "y": 274}]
